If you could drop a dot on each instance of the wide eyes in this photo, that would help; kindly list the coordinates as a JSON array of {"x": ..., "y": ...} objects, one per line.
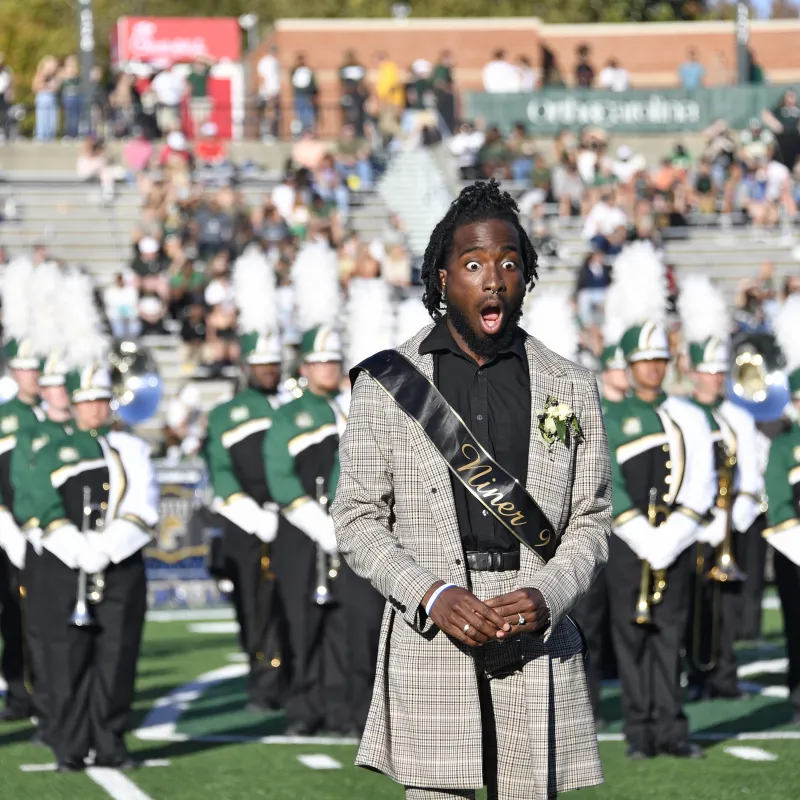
[{"x": 474, "y": 266}]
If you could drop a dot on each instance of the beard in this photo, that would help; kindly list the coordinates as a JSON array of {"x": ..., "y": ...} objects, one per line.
[{"x": 478, "y": 342}]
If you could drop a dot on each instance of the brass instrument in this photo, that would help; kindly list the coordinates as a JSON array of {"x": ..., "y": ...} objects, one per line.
[
  {"x": 327, "y": 567},
  {"x": 725, "y": 570},
  {"x": 758, "y": 376},
  {"x": 88, "y": 592},
  {"x": 653, "y": 582}
]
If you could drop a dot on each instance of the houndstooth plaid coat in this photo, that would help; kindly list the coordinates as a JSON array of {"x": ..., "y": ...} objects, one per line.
[{"x": 396, "y": 526}]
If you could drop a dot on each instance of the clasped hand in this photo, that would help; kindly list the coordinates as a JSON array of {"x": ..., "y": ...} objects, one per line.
[{"x": 460, "y": 614}]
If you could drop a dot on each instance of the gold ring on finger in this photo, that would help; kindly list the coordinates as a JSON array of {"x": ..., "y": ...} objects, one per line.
[{"x": 467, "y": 627}]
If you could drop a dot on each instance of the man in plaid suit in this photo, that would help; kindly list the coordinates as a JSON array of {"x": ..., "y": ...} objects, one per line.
[{"x": 480, "y": 677}]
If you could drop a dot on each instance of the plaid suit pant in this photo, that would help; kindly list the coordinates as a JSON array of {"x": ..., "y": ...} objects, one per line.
[{"x": 507, "y": 764}]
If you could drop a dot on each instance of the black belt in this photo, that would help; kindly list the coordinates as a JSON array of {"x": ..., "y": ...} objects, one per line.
[{"x": 493, "y": 561}]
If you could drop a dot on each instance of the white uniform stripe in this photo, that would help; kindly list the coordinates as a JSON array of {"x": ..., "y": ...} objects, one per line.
[
  {"x": 304, "y": 440},
  {"x": 119, "y": 786},
  {"x": 244, "y": 430}
]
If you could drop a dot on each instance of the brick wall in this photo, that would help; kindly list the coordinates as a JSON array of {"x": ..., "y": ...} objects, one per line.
[{"x": 651, "y": 52}]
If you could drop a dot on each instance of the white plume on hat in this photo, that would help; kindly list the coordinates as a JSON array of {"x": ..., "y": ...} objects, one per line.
[
  {"x": 315, "y": 275},
  {"x": 787, "y": 331},
  {"x": 638, "y": 291},
  {"x": 255, "y": 292},
  {"x": 17, "y": 290},
  {"x": 50, "y": 311},
  {"x": 548, "y": 315},
  {"x": 85, "y": 341},
  {"x": 411, "y": 318},
  {"x": 370, "y": 319},
  {"x": 702, "y": 309}
]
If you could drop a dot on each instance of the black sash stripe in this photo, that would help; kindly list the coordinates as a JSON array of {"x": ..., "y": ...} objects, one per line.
[{"x": 499, "y": 492}]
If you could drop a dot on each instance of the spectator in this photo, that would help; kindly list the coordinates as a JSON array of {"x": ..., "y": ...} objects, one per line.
[
  {"x": 201, "y": 104},
  {"x": 269, "y": 91},
  {"x": 614, "y": 77},
  {"x": 175, "y": 158},
  {"x": 330, "y": 186},
  {"x": 221, "y": 318},
  {"x": 625, "y": 166},
  {"x": 704, "y": 188},
  {"x": 779, "y": 188},
  {"x": 46, "y": 84},
  {"x": 71, "y": 100},
  {"x": 445, "y": 89},
  {"x": 121, "y": 301},
  {"x": 137, "y": 152},
  {"x": 756, "y": 140},
  {"x": 308, "y": 151},
  {"x": 396, "y": 268},
  {"x": 304, "y": 86},
  {"x": 186, "y": 284},
  {"x": 353, "y": 91},
  {"x": 500, "y": 76},
  {"x": 124, "y": 105},
  {"x": 152, "y": 310},
  {"x": 210, "y": 150},
  {"x": 568, "y": 188},
  {"x": 99, "y": 110},
  {"x": 389, "y": 92},
  {"x": 593, "y": 281},
  {"x": 353, "y": 158},
  {"x": 465, "y": 146},
  {"x": 603, "y": 220},
  {"x": 522, "y": 148},
  {"x": 528, "y": 76},
  {"x": 419, "y": 90},
  {"x": 93, "y": 165},
  {"x": 720, "y": 151},
  {"x": 167, "y": 86},
  {"x": 584, "y": 73},
  {"x": 785, "y": 117},
  {"x": 691, "y": 72},
  {"x": 185, "y": 427},
  {"x": 283, "y": 194},
  {"x": 493, "y": 155},
  {"x": 194, "y": 331},
  {"x": 6, "y": 97}
]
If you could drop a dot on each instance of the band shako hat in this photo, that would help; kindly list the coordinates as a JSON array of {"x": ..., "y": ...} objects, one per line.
[
  {"x": 321, "y": 344},
  {"x": 18, "y": 289},
  {"x": 787, "y": 334},
  {"x": 706, "y": 324}
]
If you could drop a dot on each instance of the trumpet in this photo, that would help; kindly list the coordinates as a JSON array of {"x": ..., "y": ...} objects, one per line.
[
  {"x": 327, "y": 567},
  {"x": 87, "y": 592},
  {"x": 724, "y": 570},
  {"x": 653, "y": 582}
]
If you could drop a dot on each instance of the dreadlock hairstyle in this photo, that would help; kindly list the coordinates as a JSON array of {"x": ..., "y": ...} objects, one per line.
[{"x": 477, "y": 203}]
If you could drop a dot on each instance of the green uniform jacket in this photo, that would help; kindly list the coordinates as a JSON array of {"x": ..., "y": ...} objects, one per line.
[
  {"x": 15, "y": 417},
  {"x": 30, "y": 441},
  {"x": 303, "y": 444},
  {"x": 234, "y": 445},
  {"x": 783, "y": 481}
]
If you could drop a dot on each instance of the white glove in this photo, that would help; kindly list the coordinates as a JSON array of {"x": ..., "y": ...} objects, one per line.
[
  {"x": 66, "y": 543},
  {"x": 315, "y": 523},
  {"x": 744, "y": 512},
  {"x": 267, "y": 524},
  {"x": 663, "y": 552},
  {"x": 12, "y": 540},
  {"x": 714, "y": 532},
  {"x": 93, "y": 559},
  {"x": 638, "y": 534},
  {"x": 680, "y": 530}
]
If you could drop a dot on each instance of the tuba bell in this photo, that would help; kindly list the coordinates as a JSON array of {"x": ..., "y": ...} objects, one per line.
[
  {"x": 758, "y": 382},
  {"x": 137, "y": 384}
]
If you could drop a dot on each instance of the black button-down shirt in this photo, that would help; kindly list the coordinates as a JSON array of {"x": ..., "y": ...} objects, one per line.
[{"x": 494, "y": 400}]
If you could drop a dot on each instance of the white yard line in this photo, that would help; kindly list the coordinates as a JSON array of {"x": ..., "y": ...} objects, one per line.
[
  {"x": 118, "y": 785},
  {"x": 319, "y": 761},
  {"x": 755, "y": 736},
  {"x": 189, "y": 614},
  {"x": 51, "y": 767},
  {"x": 214, "y": 627},
  {"x": 772, "y": 666},
  {"x": 751, "y": 753}
]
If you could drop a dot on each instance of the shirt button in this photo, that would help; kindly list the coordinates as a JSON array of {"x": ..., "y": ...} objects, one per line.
[
  {"x": 665, "y": 448},
  {"x": 106, "y": 487},
  {"x": 668, "y": 479},
  {"x": 479, "y": 417},
  {"x": 668, "y": 465},
  {"x": 485, "y": 512},
  {"x": 104, "y": 506}
]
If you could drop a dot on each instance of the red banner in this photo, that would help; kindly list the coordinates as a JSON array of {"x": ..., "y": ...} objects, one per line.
[{"x": 171, "y": 40}]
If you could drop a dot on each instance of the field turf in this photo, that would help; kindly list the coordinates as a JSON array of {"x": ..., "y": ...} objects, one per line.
[{"x": 207, "y": 747}]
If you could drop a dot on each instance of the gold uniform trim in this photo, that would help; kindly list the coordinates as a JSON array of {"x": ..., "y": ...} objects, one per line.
[
  {"x": 231, "y": 499},
  {"x": 638, "y": 446},
  {"x": 693, "y": 515},
  {"x": 56, "y": 524},
  {"x": 300, "y": 501},
  {"x": 627, "y": 516},
  {"x": 30, "y": 525},
  {"x": 304, "y": 440},
  {"x": 794, "y": 475},
  {"x": 781, "y": 527},
  {"x": 138, "y": 522}
]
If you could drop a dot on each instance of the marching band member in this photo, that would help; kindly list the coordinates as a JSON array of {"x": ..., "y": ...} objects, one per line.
[
  {"x": 713, "y": 620},
  {"x": 783, "y": 493},
  {"x": 662, "y": 486},
  {"x": 233, "y": 451},
  {"x": 90, "y": 668},
  {"x": 15, "y": 416}
]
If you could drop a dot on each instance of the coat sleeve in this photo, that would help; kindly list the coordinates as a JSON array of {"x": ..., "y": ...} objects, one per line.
[
  {"x": 363, "y": 508},
  {"x": 781, "y": 511},
  {"x": 583, "y": 549},
  {"x": 218, "y": 459}
]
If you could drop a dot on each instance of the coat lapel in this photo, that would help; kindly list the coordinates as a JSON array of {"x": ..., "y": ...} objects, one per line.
[
  {"x": 434, "y": 470},
  {"x": 549, "y": 469}
]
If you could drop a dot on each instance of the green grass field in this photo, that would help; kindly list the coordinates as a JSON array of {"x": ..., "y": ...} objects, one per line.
[{"x": 208, "y": 747}]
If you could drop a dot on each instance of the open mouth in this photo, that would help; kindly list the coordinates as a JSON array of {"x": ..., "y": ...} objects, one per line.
[{"x": 491, "y": 318}]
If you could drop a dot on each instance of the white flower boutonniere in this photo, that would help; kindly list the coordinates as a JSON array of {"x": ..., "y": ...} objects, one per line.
[{"x": 557, "y": 421}]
